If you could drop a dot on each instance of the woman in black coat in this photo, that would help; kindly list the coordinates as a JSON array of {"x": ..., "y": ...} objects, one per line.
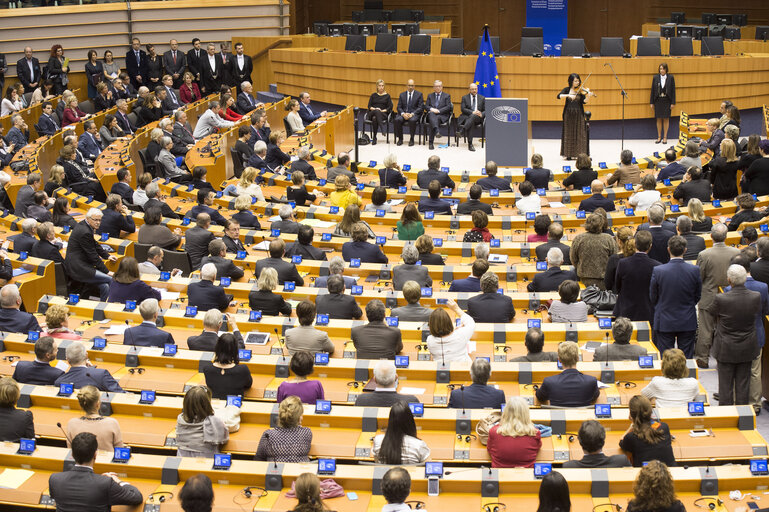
[
  {"x": 154, "y": 68},
  {"x": 275, "y": 157},
  {"x": 662, "y": 101},
  {"x": 14, "y": 423},
  {"x": 57, "y": 71},
  {"x": 264, "y": 299}
]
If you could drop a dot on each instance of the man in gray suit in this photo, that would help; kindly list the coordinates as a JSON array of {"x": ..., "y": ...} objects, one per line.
[
  {"x": 375, "y": 340},
  {"x": 695, "y": 244},
  {"x": 413, "y": 311},
  {"x": 82, "y": 489},
  {"x": 343, "y": 167},
  {"x": 196, "y": 240},
  {"x": 735, "y": 341},
  {"x": 25, "y": 196},
  {"x": 621, "y": 349},
  {"x": 306, "y": 337},
  {"x": 335, "y": 268},
  {"x": 385, "y": 394},
  {"x": 535, "y": 342},
  {"x": 713, "y": 263},
  {"x": 410, "y": 271}
]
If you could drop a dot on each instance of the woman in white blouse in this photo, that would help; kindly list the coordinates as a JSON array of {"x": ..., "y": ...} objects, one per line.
[
  {"x": 446, "y": 343},
  {"x": 674, "y": 388},
  {"x": 293, "y": 118},
  {"x": 647, "y": 196},
  {"x": 11, "y": 103},
  {"x": 400, "y": 444},
  {"x": 247, "y": 184}
]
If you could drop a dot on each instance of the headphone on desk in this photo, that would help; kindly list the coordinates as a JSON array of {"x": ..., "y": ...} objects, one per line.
[
  {"x": 494, "y": 507},
  {"x": 467, "y": 438},
  {"x": 614, "y": 506},
  {"x": 248, "y": 491},
  {"x": 712, "y": 502},
  {"x": 418, "y": 505},
  {"x": 162, "y": 496}
]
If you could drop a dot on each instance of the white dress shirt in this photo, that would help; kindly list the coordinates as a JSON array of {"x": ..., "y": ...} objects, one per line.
[
  {"x": 212, "y": 62},
  {"x": 454, "y": 347},
  {"x": 413, "y": 451},
  {"x": 671, "y": 392}
]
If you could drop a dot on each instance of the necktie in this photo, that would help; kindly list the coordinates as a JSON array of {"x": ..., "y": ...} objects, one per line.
[
  {"x": 437, "y": 99},
  {"x": 310, "y": 110},
  {"x": 54, "y": 123},
  {"x": 197, "y": 54},
  {"x": 250, "y": 99},
  {"x": 172, "y": 95},
  {"x": 174, "y": 54},
  {"x": 138, "y": 59},
  {"x": 474, "y": 103},
  {"x": 408, "y": 102}
]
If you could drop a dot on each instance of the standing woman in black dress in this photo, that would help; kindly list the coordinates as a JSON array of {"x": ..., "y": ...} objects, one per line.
[
  {"x": 379, "y": 107},
  {"x": 574, "y": 129},
  {"x": 662, "y": 101},
  {"x": 154, "y": 67}
]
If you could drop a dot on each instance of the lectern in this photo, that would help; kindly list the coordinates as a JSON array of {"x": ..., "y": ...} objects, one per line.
[{"x": 507, "y": 131}]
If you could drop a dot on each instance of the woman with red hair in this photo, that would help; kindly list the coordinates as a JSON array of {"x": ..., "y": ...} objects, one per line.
[{"x": 58, "y": 67}]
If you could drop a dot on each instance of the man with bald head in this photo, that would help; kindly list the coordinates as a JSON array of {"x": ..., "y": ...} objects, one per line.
[
  {"x": 410, "y": 105},
  {"x": 196, "y": 240},
  {"x": 28, "y": 70},
  {"x": 12, "y": 319},
  {"x": 597, "y": 200},
  {"x": 473, "y": 108}
]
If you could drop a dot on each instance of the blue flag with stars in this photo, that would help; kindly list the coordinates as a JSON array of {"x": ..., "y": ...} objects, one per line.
[{"x": 486, "y": 77}]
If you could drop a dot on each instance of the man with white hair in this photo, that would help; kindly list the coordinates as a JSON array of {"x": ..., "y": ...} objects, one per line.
[
  {"x": 204, "y": 294},
  {"x": 122, "y": 117},
  {"x": 257, "y": 159},
  {"x": 478, "y": 395},
  {"x": 335, "y": 268},
  {"x": 212, "y": 324},
  {"x": 386, "y": 392},
  {"x": 246, "y": 100},
  {"x": 182, "y": 129},
  {"x": 302, "y": 163},
  {"x": 211, "y": 122},
  {"x": 83, "y": 262},
  {"x": 147, "y": 334},
  {"x": 410, "y": 271},
  {"x": 287, "y": 222},
  {"x": 438, "y": 108},
  {"x": 735, "y": 344},
  {"x": 82, "y": 373},
  {"x": 179, "y": 148},
  {"x": 551, "y": 279},
  {"x": 12, "y": 319},
  {"x": 482, "y": 251},
  {"x": 26, "y": 239}
]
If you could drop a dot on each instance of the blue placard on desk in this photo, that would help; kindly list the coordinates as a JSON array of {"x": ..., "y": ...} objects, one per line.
[
  {"x": 401, "y": 361},
  {"x": 326, "y": 466},
  {"x": 219, "y": 194},
  {"x": 104, "y": 237},
  {"x": 447, "y": 191},
  {"x": 604, "y": 323},
  {"x": 406, "y": 167},
  {"x": 356, "y": 289},
  {"x": 130, "y": 305},
  {"x": 65, "y": 389},
  {"x": 603, "y": 410},
  {"x": 433, "y": 469},
  {"x": 534, "y": 323},
  {"x": 191, "y": 311},
  {"x": 675, "y": 208},
  {"x": 531, "y": 215},
  {"x": 74, "y": 298},
  {"x": 289, "y": 286},
  {"x": 292, "y": 204},
  {"x": 322, "y": 406},
  {"x": 322, "y": 182},
  {"x": 541, "y": 265},
  {"x": 495, "y": 242},
  {"x": 417, "y": 409},
  {"x": 757, "y": 467},
  {"x": 437, "y": 242},
  {"x": 23, "y": 255},
  {"x": 296, "y": 259},
  {"x": 402, "y": 190},
  {"x": 64, "y": 229},
  {"x": 430, "y": 215},
  {"x": 333, "y": 209},
  {"x": 764, "y": 228},
  {"x": 379, "y": 213},
  {"x": 325, "y": 237},
  {"x": 427, "y": 292},
  {"x": 567, "y": 168},
  {"x": 372, "y": 163},
  {"x": 33, "y": 336},
  {"x": 628, "y": 186},
  {"x": 244, "y": 354},
  {"x": 27, "y": 446},
  {"x": 354, "y": 262},
  {"x": 483, "y": 171},
  {"x": 381, "y": 240},
  {"x": 494, "y": 192},
  {"x": 321, "y": 319},
  {"x": 254, "y": 316},
  {"x": 392, "y": 321},
  {"x": 717, "y": 203},
  {"x": 696, "y": 408},
  {"x": 541, "y": 192},
  {"x": 190, "y": 187},
  {"x": 542, "y": 469},
  {"x": 147, "y": 396},
  {"x": 444, "y": 169},
  {"x": 629, "y": 212},
  {"x": 321, "y": 358},
  {"x": 645, "y": 362},
  {"x": 222, "y": 461},
  {"x": 225, "y": 281},
  {"x": 99, "y": 343},
  {"x": 164, "y": 276},
  {"x": 275, "y": 232},
  {"x": 755, "y": 197},
  {"x": 634, "y": 160},
  {"x": 186, "y": 221},
  {"x": 602, "y": 165},
  {"x": 89, "y": 199},
  {"x": 169, "y": 349},
  {"x": 360, "y": 186},
  {"x": 667, "y": 182},
  {"x": 580, "y": 214},
  {"x": 587, "y": 190},
  {"x": 253, "y": 199},
  {"x": 122, "y": 454},
  {"x": 235, "y": 401}
]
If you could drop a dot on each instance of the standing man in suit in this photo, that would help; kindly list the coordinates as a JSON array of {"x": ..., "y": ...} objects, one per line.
[
  {"x": 82, "y": 489},
  {"x": 218, "y": 256},
  {"x": 472, "y": 283},
  {"x": 83, "y": 262},
  {"x": 735, "y": 340},
  {"x": 478, "y": 395},
  {"x": 660, "y": 235},
  {"x": 175, "y": 62},
  {"x": 241, "y": 68},
  {"x": 196, "y": 239},
  {"x": 634, "y": 275},
  {"x": 675, "y": 290},
  {"x": 570, "y": 388},
  {"x": 82, "y": 373},
  {"x": 39, "y": 372},
  {"x": 491, "y": 306},
  {"x": 286, "y": 270},
  {"x": 438, "y": 108},
  {"x": 759, "y": 269},
  {"x": 409, "y": 108},
  {"x": 375, "y": 340},
  {"x": 695, "y": 244},
  {"x": 224, "y": 53},
  {"x": 195, "y": 60},
  {"x": 247, "y": 102},
  {"x": 335, "y": 303},
  {"x": 410, "y": 271},
  {"x": 213, "y": 321},
  {"x": 46, "y": 124},
  {"x": 203, "y": 294},
  {"x": 554, "y": 235},
  {"x": 713, "y": 263},
  {"x": 551, "y": 279},
  {"x": 28, "y": 70},
  {"x": 306, "y": 112},
  {"x": 147, "y": 334},
  {"x": 433, "y": 172},
  {"x": 212, "y": 71},
  {"x": 473, "y": 107},
  {"x": 597, "y": 200},
  {"x": 386, "y": 392},
  {"x": 137, "y": 64}
]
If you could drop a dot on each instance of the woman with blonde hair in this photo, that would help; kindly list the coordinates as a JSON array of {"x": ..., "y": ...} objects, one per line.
[
  {"x": 349, "y": 219},
  {"x": 275, "y": 156},
  {"x": 674, "y": 388},
  {"x": 626, "y": 244},
  {"x": 199, "y": 433},
  {"x": 343, "y": 196},
  {"x": 645, "y": 439},
  {"x": 264, "y": 298},
  {"x": 57, "y": 178},
  {"x": 514, "y": 442},
  {"x": 247, "y": 184},
  {"x": 105, "y": 428},
  {"x": 701, "y": 223},
  {"x": 14, "y": 423},
  {"x": 292, "y": 118},
  {"x": 723, "y": 171},
  {"x": 56, "y": 321},
  {"x": 245, "y": 218},
  {"x": 653, "y": 490},
  {"x": 289, "y": 441},
  {"x": 307, "y": 492},
  {"x": 379, "y": 107}
]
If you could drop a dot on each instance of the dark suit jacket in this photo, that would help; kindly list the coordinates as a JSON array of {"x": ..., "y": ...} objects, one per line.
[
  {"x": 439, "y": 206},
  {"x": 24, "y": 198},
  {"x": 368, "y": 253},
  {"x": 16, "y": 136},
  {"x": 673, "y": 170},
  {"x": 124, "y": 123},
  {"x": 211, "y": 79},
  {"x": 82, "y": 490},
  {"x": 269, "y": 303},
  {"x": 22, "y": 72},
  {"x": 468, "y": 284},
  {"x": 307, "y": 252},
  {"x": 735, "y": 340},
  {"x": 134, "y": 68},
  {"x": 659, "y": 249},
  {"x": 45, "y": 250},
  {"x": 494, "y": 182},
  {"x": 384, "y": 399},
  {"x": 322, "y": 282},
  {"x": 416, "y": 106},
  {"x": 47, "y": 126},
  {"x": 425, "y": 177},
  {"x": 634, "y": 274},
  {"x": 13, "y": 320},
  {"x": 124, "y": 190},
  {"x": 205, "y": 296},
  {"x": 443, "y": 105},
  {"x": 469, "y": 206},
  {"x": 224, "y": 267},
  {"x": 300, "y": 165},
  {"x": 541, "y": 251},
  {"x": 599, "y": 460},
  {"x": 165, "y": 210},
  {"x": 113, "y": 223},
  {"x": 285, "y": 226},
  {"x": 596, "y": 201},
  {"x": 15, "y": 424},
  {"x": 240, "y": 75},
  {"x": 376, "y": 341},
  {"x": 23, "y": 242},
  {"x": 183, "y": 134},
  {"x": 477, "y": 396},
  {"x": 84, "y": 254},
  {"x": 246, "y": 219},
  {"x": 196, "y": 242},
  {"x": 491, "y": 308},
  {"x": 216, "y": 217},
  {"x": 695, "y": 188},
  {"x": 80, "y": 376},
  {"x": 657, "y": 90},
  {"x": 195, "y": 64},
  {"x": 550, "y": 279},
  {"x": 147, "y": 335},
  {"x": 695, "y": 244},
  {"x": 570, "y": 388},
  {"x": 418, "y": 273},
  {"x": 305, "y": 114},
  {"x": 206, "y": 341},
  {"x": 675, "y": 290},
  {"x": 338, "y": 305},
  {"x": 759, "y": 269},
  {"x": 286, "y": 270},
  {"x": 233, "y": 245},
  {"x": 391, "y": 178},
  {"x": 466, "y": 104},
  {"x": 175, "y": 69},
  {"x": 246, "y": 103},
  {"x": 34, "y": 372}
]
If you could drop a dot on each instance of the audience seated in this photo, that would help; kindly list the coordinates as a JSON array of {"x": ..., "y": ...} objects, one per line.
[
  {"x": 305, "y": 337},
  {"x": 205, "y": 200},
  {"x": 400, "y": 444},
  {"x": 424, "y": 245},
  {"x": 541, "y": 224},
  {"x": 627, "y": 171},
  {"x": 569, "y": 309},
  {"x": 343, "y": 196},
  {"x": 15, "y": 423},
  {"x": 478, "y": 395},
  {"x": 480, "y": 231},
  {"x": 490, "y": 306},
  {"x": 434, "y": 173},
  {"x": 474, "y": 203},
  {"x": 24, "y": 241},
  {"x": 653, "y": 490},
  {"x": 410, "y": 225},
  {"x": 57, "y": 323},
  {"x": 390, "y": 176},
  {"x": 433, "y": 203},
  {"x": 396, "y": 487},
  {"x": 127, "y": 285},
  {"x": 515, "y": 440},
  {"x": 48, "y": 247},
  {"x": 307, "y": 491},
  {"x": 197, "y": 494},
  {"x": 472, "y": 283},
  {"x": 308, "y": 391},
  {"x": 410, "y": 271},
  {"x": 210, "y": 121},
  {"x": 244, "y": 217},
  {"x": 342, "y": 169},
  {"x": 554, "y": 235},
  {"x": 597, "y": 200},
  {"x": 287, "y": 222},
  {"x": 360, "y": 248},
  {"x": 672, "y": 170},
  {"x": 570, "y": 388},
  {"x": 256, "y": 160},
  {"x": 535, "y": 342},
  {"x": 82, "y": 373},
  {"x": 225, "y": 375},
  {"x": 693, "y": 186},
  {"x": 551, "y": 279},
  {"x": 646, "y": 440},
  {"x": 445, "y": 343},
  {"x": 38, "y": 210},
  {"x": 554, "y": 493},
  {"x": 592, "y": 436},
  {"x": 583, "y": 176},
  {"x": 248, "y": 184},
  {"x": 302, "y": 163},
  {"x": 492, "y": 181},
  {"x": 147, "y": 333},
  {"x": 535, "y": 175},
  {"x": 297, "y": 192},
  {"x": 199, "y": 432},
  {"x": 11, "y": 318},
  {"x": 674, "y": 388},
  {"x": 621, "y": 349},
  {"x": 385, "y": 393},
  {"x": 303, "y": 246},
  {"x": 152, "y": 232},
  {"x": 218, "y": 256},
  {"x": 335, "y": 267},
  {"x": 529, "y": 202},
  {"x": 203, "y": 294},
  {"x": 286, "y": 270},
  {"x": 105, "y": 428},
  {"x": 231, "y": 239},
  {"x": 289, "y": 441},
  {"x": 39, "y": 372},
  {"x": 413, "y": 311},
  {"x": 378, "y": 201},
  {"x": 335, "y": 303},
  {"x": 265, "y": 299},
  {"x": 351, "y": 217},
  {"x": 746, "y": 212},
  {"x": 375, "y": 340}
]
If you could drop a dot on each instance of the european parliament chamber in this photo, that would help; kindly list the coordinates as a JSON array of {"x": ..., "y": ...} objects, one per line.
[{"x": 212, "y": 300}]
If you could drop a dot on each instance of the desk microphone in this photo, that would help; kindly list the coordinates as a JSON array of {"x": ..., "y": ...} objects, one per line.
[
  {"x": 462, "y": 390},
  {"x": 66, "y": 436},
  {"x": 282, "y": 345},
  {"x": 607, "y": 349}
]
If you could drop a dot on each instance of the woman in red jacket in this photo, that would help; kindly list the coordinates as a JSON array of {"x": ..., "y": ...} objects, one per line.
[
  {"x": 72, "y": 114},
  {"x": 228, "y": 112},
  {"x": 515, "y": 441},
  {"x": 189, "y": 90}
]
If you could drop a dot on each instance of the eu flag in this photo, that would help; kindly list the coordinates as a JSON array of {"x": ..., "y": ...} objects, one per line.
[{"x": 486, "y": 77}]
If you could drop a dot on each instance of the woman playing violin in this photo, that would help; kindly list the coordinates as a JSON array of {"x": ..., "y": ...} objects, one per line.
[{"x": 574, "y": 138}]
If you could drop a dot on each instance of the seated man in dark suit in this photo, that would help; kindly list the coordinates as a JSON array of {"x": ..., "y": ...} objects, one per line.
[
  {"x": 413, "y": 311},
  {"x": 592, "y": 437},
  {"x": 81, "y": 488},
  {"x": 597, "y": 200},
  {"x": 218, "y": 256},
  {"x": 39, "y": 372},
  {"x": 438, "y": 108},
  {"x": 433, "y": 203},
  {"x": 693, "y": 185},
  {"x": 286, "y": 270},
  {"x": 82, "y": 373},
  {"x": 147, "y": 334},
  {"x": 26, "y": 239},
  {"x": 473, "y": 107},
  {"x": 46, "y": 124},
  {"x": 154, "y": 199},
  {"x": 551, "y": 279},
  {"x": 433, "y": 172},
  {"x": 409, "y": 108},
  {"x": 474, "y": 202},
  {"x": 196, "y": 240},
  {"x": 306, "y": 112},
  {"x": 204, "y": 294},
  {"x": 11, "y": 319},
  {"x": 287, "y": 222},
  {"x": 303, "y": 246},
  {"x": 672, "y": 170},
  {"x": 231, "y": 237},
  {"x": 260, "y": 128},
  {"x": 116, "y": 218},
  {"x": 359, "y": 247},
  {"x": 302, "y": 163},
  {"x": 376, "y": 340},
  {"x": 46, "y": 248},
  {"x": 490, "y": 306},
  {"x": 386, "y": 392},
  {"x": 535, "y": 342},
  {"x": 570, "y": 388},
  {"x": 621, "y": 349},
  {"x": 335, "y": 267},
  {"x": 554, "y": 235},
  {"x": 205, "y": 201},
  {"x": 471, "y": 283},
  {"x": 123, "y": 186},
  {"x": 335, "y": 303},
  {"x": 492, "y": 181},
  {"x": 212, "y": 324},
  {"x": 478, "y": 395},
  {"x": 410, "y": 271},
  {"x": 89, "y": 142}
]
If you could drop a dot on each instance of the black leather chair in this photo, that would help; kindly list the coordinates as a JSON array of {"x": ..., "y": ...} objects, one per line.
[
  {"x": 420, "y": 43},
  {"x": 648, "y": 47},
  {"x": 388, "y": 121},
  {"x": 572, "y": 47},
  {"x": 450, "y": 123},
  {"x": 532, "y": 46},
  {"x": 386, "y": 43},
  {"x": 140, "y": 251},
  {"x": 494, "y": 43},
  {"x": 681, "y": 47},
  {"x": 712, "y": 46},
  {"x": 612, "y": 46},
  {"x": 147, "y": 166},
  {"x": 355, "y": 44},
  {"x": 177, "y": 259},
  {"x": 453, "y": 46}
]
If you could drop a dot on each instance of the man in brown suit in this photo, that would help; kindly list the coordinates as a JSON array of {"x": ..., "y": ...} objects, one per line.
[
  {"x": 713, "y": 264},
  {"x": 735, "y": 341}
]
